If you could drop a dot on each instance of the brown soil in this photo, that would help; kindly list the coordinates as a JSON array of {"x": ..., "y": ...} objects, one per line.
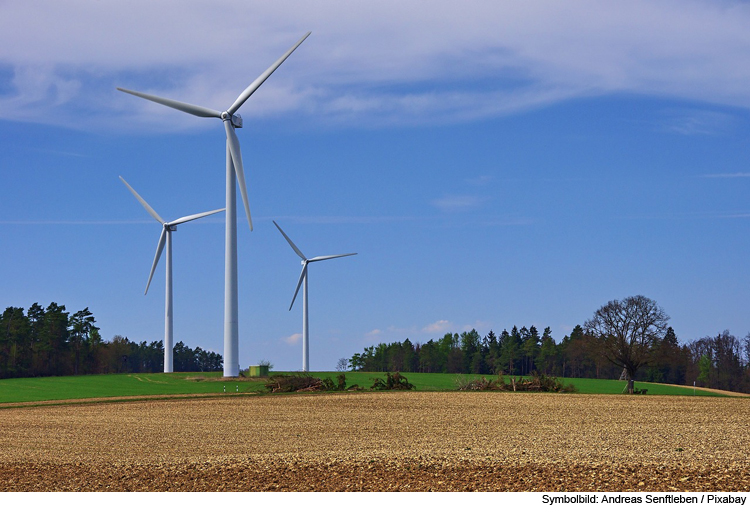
[{"x": 381, "y": 442}]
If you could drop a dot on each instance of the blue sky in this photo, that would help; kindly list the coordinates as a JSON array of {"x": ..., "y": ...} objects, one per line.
[{"x": 491, "y": 163}]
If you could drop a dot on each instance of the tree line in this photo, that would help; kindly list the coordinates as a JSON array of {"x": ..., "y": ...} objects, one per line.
[
  {"x": 629, "y": 339},
  {"x": 53, "y": 342}
]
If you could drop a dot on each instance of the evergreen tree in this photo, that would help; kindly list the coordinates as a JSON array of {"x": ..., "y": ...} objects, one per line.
[
  {"x": 531, "y": 344},
  {"x": 492, "y": 357},
  {"x": 510, "y": 352},
  {"x": 471, "y": 352},
  {"x": 14, "y": 340},
  {"x": 81, "y": 328},
  {"x": 35, "y": 314},
  {"x": 547, "y": 357},
  {"x": 54, "y": 340}
]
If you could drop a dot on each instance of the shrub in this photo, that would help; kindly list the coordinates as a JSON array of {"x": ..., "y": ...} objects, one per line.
[
  {"x": 306, "y": 383},
  {"x": 536, "y": 383},
  {"x": 392, "y": 382},
  {"x": 480, "y": 384},
  {"x": 294, "y": 383}
]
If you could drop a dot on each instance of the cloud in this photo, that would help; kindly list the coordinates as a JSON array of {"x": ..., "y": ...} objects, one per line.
[
  {"x": 697, "y": 122},
  {"x": 477, "y": 325},
  {"x": 482, "y": 180},
  {"x": 373, "y": 333},
  {"x": 208, "y": 220},
  {"x": 438, "y": 327},
  {"x": 294, "y": 339},
  {"x": 508, "y": 221},
  {"x": 322, "y": 219},
  {"x": 700, "y": 215},
  {"x": 453, "y": 203},
  {"x": 384, "y": 62},
  {"x": 735, "y": 215},
  {"x": 725, "y": 175}
]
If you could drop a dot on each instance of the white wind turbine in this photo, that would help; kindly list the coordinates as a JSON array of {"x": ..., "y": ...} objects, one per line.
[
  {"x": 303, "y": 276},
  {"x": 166, "y": 238},
  {"x": 234, "y": 169}
]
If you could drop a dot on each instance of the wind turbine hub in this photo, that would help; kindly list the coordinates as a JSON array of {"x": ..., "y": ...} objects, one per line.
[{"x": 236, "y": 119}]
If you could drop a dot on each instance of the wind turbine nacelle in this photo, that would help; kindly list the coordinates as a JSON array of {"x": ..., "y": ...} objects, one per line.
[{"x": 237, "y": 120}]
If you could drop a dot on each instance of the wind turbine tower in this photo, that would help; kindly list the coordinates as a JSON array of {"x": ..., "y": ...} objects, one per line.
[
  {"x": 303, "y": 277},
  {"x": 234, "y": 170},
  {"x": 166, "y": 239}
]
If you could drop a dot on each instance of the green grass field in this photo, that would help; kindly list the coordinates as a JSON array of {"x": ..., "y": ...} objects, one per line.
[
  {"x": 432, "y": 382},
  {"x": 117, "y": 385},
  {"x": 129, "y": 385}
]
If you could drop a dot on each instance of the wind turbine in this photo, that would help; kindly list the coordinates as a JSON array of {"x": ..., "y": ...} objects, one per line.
[
  {"x": 303, "y": 276},
  {"x": 231, "y": 121},
  {"x": 166, "y": 238}
]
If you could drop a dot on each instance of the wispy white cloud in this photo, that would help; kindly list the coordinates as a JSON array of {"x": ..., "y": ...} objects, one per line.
[
  {"x": 697, "y": 122},
  {"x": 438, "y": 327},
  {"x": 332, "y": 219},
  {"x": 482, "y": 180},
  {"x": 294, "y": 339},
  {"x": 725, "y": 175},
  {"x": 60, "y": 152},
  {"x": 204, "y": 221},
  {"x": 478, "y": 325},
  {"x": 453, "y": 203},
  {"x": 374, "y": 62},
  {"x": 689, "y": 216},
  {"x": 508, "y": 221}
]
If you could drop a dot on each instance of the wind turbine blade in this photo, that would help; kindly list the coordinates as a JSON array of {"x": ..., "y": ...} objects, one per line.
[
  {"x": 179, "y": 105},
  {"x": 234, "y": 149},
  {"x": 159, "y": 249},
  {"x": 143, "y": 202},
  {"x": 296, "y": 249},
  {"x": 319, "y": 258},
  {"x": 182, "y": 220},
  {"x": 301, "y": 277},
  {"x": 263, "y": 77}
]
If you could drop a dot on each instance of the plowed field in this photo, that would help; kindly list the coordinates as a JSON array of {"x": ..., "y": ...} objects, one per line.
[{"x": 381, "y": 442}]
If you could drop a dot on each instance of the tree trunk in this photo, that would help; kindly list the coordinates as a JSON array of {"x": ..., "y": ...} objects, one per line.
[{"x": 631, "y": 379}]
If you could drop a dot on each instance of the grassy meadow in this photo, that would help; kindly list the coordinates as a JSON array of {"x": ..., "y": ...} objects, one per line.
[
  {"x": 176, "y": 384},
  {"x": 448, "y": 382}
]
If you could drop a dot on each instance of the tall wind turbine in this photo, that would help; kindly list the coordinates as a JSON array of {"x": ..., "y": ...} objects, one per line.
[
  {"x": 303, "y": 276},
  {"x": 166, "y": 238},
  {"x": 231, "y": 121}
]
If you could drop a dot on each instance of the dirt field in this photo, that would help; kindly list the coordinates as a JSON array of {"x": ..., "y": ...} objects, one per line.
[{"x": 382, "y": 442}]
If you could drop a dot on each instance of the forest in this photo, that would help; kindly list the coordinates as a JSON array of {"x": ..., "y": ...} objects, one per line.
[
  {"x": 53, "y": 342},
  {"x": 629, "y": 339}
]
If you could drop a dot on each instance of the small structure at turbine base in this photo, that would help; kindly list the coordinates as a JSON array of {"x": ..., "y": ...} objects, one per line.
[{"x": 258, "y": 371}]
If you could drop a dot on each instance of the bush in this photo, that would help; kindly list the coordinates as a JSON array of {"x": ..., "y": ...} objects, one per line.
[
  {"x": 392, "y": 382},
  {"x": 294, "y": 383},
  {"x": 306, "y": 383},
  {"x": 536, "y": 383},
  {"x": 481, "y": 384}
]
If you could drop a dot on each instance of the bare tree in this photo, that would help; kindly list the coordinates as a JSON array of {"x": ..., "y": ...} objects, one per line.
[
  {"x": 627, "y": 330},
  {"x": 342, "y": 365}
]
